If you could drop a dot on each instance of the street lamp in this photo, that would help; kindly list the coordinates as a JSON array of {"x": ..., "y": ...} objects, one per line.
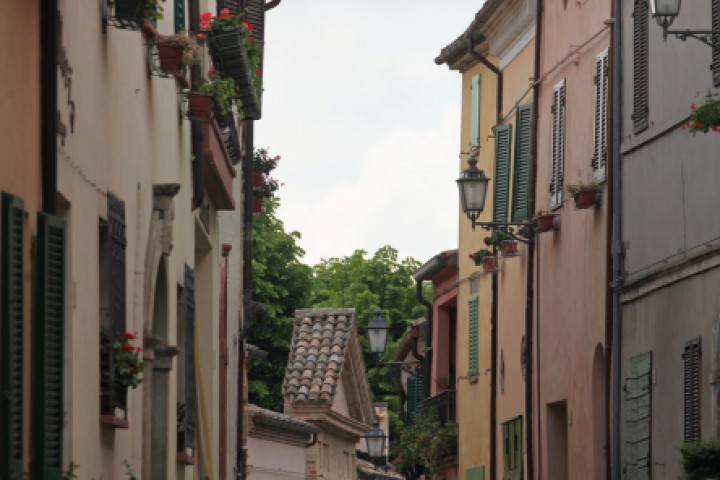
[
  {"x": 375, "y": 440},
  {"x": 472, "y": 185},
  {"x": 377, "y": 331},
  {"x": 665, "y": 12}
]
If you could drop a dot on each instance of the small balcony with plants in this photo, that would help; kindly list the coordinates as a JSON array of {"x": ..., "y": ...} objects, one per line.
[{"x": 121, "y": 367}]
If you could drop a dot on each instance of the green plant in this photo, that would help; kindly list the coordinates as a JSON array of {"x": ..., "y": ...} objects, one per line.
[
  {"x": 70, "y": 473},
  {"x": 192, "y": 51},
  {"x": 497, "y": 237},
  {"x": 180, "y": 415},
  {"x": 574, "y": 188},
  {"x": 480, "y": 255},
  {"x": 154, "y": 10},
  {"x": 701, "y": 460},
  {"x": 263, "y": 162},
  {"x": 126, "y": 356},
  {"x": 706, "y": 117},
  {"x": 426, "y": 446},
  {"x": 129, "y": 471},
  {"x": 222, "y": 88}
]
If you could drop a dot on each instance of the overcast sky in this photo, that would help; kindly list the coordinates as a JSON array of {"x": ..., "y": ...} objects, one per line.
[{"x": 367, "y": 125}]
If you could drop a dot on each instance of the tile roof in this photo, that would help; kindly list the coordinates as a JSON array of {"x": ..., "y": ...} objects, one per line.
[
  {"x": 458, "y": 47},
  {"x": 319, "y": 343},
  {"x": 277, "y": 419}
]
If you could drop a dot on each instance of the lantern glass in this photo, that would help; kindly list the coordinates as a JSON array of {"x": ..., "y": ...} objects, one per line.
[
  {"x": 665, "y": 8},
  {"x": 472, "y": 186},
  {"x": 377, "y": 331},
  {"x": 375, "y": 440}
]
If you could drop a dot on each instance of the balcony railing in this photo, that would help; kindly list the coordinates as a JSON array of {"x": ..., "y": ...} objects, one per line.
[{"x": 444, "y": 403}]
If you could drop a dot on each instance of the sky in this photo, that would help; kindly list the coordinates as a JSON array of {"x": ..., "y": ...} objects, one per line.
[{"x": 367, "y": 126}]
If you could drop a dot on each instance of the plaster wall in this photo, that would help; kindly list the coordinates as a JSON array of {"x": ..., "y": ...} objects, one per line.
[
  {"x": 335, "y": 457},
  {"x": 268, "y": 460},
  {"x": 445, "y": 300},
  {"x": 571, "y": 278},
  {"x": 473, "y": 395}
]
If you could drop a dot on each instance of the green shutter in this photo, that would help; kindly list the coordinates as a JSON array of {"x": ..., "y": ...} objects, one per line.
[
  {"x": 415, "y": 396},
  {"x": 179, "y": 15},
  {"x": 475, "y": 473},
  {"x": 48, "y": 328},
  {"x": 521, "y": 175},
  {"x": 512, "y": 449},
  {"x": 638, "y": 417},
  {"x": 11, "y": 337},
  {"x": 190, "y": 378},
  {"x": 473, "y": 337},
  {"x": 691, "y": 390},
  {"x": 501, "y": 182},
  {"x": 506, "y": 447},
  {"x": 475, "y": 112}
]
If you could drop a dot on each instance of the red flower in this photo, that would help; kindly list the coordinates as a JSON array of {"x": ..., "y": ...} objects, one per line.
[
  {"x": 225, "y": 13},
  {"x": 205, "y": 20},
  {"x": 250, "y": 40},
  {"x": 692, "y": 106},
  {"x": 127, "y": 347},
  {"x": 470, "y": 256},
  {"x": 258, "y": 72},
  {"x": 486, "y": 240},
  {"x": 128, "y": 335},
  {"x": 698, "y": 126},
  {"x": 715, "y": 128},
  {"x": 139, "y": 349},
  {"x": 248, "y": 25},
  {"x": 211, "y": 71}
]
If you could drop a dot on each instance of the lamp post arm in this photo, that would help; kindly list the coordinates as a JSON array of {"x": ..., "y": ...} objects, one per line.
[
  {"x": 526, "y": 233},
  {"x": 710, "y": 38}
]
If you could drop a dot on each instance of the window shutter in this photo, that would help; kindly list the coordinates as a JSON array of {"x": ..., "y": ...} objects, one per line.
[
  {"x": 415, "y": 389},
  {"x": 475, "y": 112},
  {"x": 232, "y": 5},
  {"x": 473, "y": 340},
  {"x": 599, "y": 159},
  {"x": 691, "y": 390},
  {"x": 641, "y": 19},
  {"x": 11, "y": 336},
  {"x": 521, "y": 175},
  {"x": 518, "y": 449},
  {"x": 255, "y": 15},
  {"x": 475, "y": 473},
  {"x": 48, "y": 351},
  {"x": 638, "y": 417},
  {"x": 116, "y": 270},
  {"x": 501, "y": 182},
  {"x": 558, "y": 145},
  {"x": 506, "y": 447},
  {"x": 190, "y": 387},
  {"x": 716, "y": 51},
  {"x": 179, "y": 15}
]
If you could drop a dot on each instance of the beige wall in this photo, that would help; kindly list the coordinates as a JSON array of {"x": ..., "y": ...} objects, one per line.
[
  {"x": 270, "y": 460},
  {"x": 335, "y": 457}
]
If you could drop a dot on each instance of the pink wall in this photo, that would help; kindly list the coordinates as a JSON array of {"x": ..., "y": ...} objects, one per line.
[
  {"x": 445, "y": 285},
  {"x": 572, "y": 272}
]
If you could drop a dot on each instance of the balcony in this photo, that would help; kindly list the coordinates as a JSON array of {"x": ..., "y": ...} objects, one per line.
[
  {"x": 219, "y": 170},
  {"x": 444, "y": 403}
]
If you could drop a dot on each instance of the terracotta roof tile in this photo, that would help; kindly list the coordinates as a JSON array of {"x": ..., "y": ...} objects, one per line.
[{"x": 320, "y": 338}]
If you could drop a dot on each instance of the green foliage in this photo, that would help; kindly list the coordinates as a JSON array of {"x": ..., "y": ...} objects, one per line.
[
  {"x": 127, "y": 357},
  {"x": 701, "y": 460},
  {"x": 706, "y": 117},
  {"x": 282, "y": 284},
  {"x": 497, "y": 237},
  {"x": 222, "y": 88},
  {"x": 480, "y": 255},
  {"x": 192, "y": 51},
  {"x": 70, "y": 473},
  {"x": 129, "y": 471},
  {"x": 426, "y": 446}
]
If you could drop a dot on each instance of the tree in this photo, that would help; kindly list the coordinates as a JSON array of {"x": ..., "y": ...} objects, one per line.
[
  {"x": 426, "y": 446},
  {"x": 282, "y": 284}
]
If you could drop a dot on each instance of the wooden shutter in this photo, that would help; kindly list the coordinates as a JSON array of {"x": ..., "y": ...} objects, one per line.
[
  {"x": 48, "y": 351},
  {"x": 716, "y": 51},
  {"x": 117, "y": 296},
  {"x": 475, "y": 111},
  {"x": 521, "y": 174},
  {"x": 12, "y": 299},
  {"x": 512, "y": 449},
  {"x": 475, "y": 473},
  {"x": 558, "y": 145},
  {"x": 599, "y": 158},
  {"x": 415, "y": 396},
  {"x": 232, "y": 5},
  {"x": 638, "y": 417},
  {"x": 501, "y": 180},
  {"x": 255, "y": 15},
  {"x": 189, "y": 347},
  {"x": 641, "y": 20},
  {"x": 179, "y": 11},
  {"x": 691, "y": 391},
  {"x": 473, "y": 334}
]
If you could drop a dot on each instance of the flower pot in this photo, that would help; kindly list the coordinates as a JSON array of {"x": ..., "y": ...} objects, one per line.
[
  {"x": 509, "y": 248},
  {"x": 231, "y": 58},
  {"x": 170, "y": 57},
  {"x": 547, "y": 222},
  {"x": 200, "y": 106},
  {"x": 257, "y": 180},
  {"x": 491, "y": 264},
  {"x": 130, "y": 11},
  {"x": 258, "y": 204},
  {"x": 587, "y": 198},
  {"x": 226, "y": 39}
]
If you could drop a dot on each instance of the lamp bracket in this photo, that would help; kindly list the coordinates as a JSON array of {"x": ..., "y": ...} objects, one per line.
[
  {"x": 710, "y": 38},
  {"x": 526, "y": 231}
]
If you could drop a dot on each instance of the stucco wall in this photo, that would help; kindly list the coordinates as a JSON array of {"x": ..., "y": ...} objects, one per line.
[{"x": 269, "y": 460}]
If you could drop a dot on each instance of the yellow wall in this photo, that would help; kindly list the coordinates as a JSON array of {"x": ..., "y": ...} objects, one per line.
[{"x": 474, "y": 397}]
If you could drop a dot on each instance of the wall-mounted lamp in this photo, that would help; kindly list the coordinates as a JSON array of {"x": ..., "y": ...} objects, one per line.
[
  {"x": 472, "y": 185},
  {"x": 375, "y": 440},
  {"x": 377, "y": 330},
  {"x": 665, "y": 12}
]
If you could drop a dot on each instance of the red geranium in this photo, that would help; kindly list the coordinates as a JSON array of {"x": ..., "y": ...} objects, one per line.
[
  {"x": 224, "y": 13},
  {"x": 248, "y": 25},
  {"x": 127, "y": 347},
  {"x": 128, "y": 335}
]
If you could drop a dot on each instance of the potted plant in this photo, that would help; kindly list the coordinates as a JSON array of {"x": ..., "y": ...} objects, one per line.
[
  {"x": 218, "y": 89},
  {"x": 485, "y": 257},
  {"x": 503, "y": 241},
  {"x": 706, "y": 117},
  {"x": 175, "y": 51},
  {"x": 128, "y": 361},
  {"x": 258, "y": 180},
  {"x": 585, "y": 195},
  {"x": 546, "y": 221}
]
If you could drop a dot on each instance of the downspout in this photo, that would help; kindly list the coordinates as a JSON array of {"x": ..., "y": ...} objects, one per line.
[
  {"x": 494, "y": 306},
  {"x": 427, "y": 361},
  {"x": 617, "y": 249},
  {"x": 48, "y": 103}
]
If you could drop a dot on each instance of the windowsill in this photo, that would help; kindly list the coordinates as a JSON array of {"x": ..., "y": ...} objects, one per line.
[
  {"x": 111, "y": 421},
  {"x": 185, "y": 459}
]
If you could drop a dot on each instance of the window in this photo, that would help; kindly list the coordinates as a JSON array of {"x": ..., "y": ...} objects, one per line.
[
  {"x": 415, "y": 396},
  {"x": 12, "y": 299},
  {"x": 475, "y": 473},
  {"x": 501, "y": 182},
  {"x": 641, "y": 20},
  {"x": 475, "y": 112},
  {"x": 521, "y": 175},
  {"x": 637, "y": 421},
  {"x": 691, "y": 390},
  {"x": 513, "y": 449},
  {"x": 473, "y": 336},
  {"x": 186, "y": 364},
  {"x": 599, "y": 158},
  {"x": 558, "y": 145}
]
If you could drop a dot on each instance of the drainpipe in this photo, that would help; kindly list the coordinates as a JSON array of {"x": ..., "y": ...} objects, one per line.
[
  {"x": 617, "y": 249},
  {"x": 48, "y": 103},
  {"x": 494, "y": 308}
]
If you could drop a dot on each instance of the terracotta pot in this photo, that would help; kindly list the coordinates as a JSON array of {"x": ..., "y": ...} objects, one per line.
[
  {"x": 547, "y": 222},
  {"x": 200, "y": 106},
  {"x": 587, "y": 198},
  {"x": 170, "y": 57},
  {"x": 491, "y": 264},
  {"x": 509, "y": 248},
  {"x": 258, "y": 204},
  {"x": 258, "y": 180}
]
